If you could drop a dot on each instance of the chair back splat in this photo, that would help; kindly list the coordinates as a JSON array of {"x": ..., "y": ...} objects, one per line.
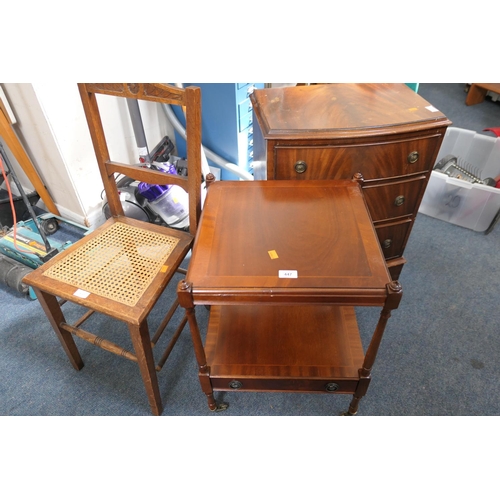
[
  {"x": 122, "y": 267},
  {"x": 189, "y": 98}
]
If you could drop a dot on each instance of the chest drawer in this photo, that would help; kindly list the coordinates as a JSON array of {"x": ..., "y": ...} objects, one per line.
[
  {"x": 393, "y": 238},
  {"x": 394, "y": 199},
  {"x": 373, "y": 160}
]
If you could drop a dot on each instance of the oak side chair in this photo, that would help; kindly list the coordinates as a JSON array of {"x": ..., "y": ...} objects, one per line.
[{"x": 122, "y": 267}]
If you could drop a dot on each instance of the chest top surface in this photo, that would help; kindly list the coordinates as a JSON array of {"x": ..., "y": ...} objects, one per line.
[
  {"x": 343, "y": 110},
  {"x": 284, "y": 235}
]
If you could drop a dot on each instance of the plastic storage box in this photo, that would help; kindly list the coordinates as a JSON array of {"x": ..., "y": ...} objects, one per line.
[{"x": 457, "y": 201}]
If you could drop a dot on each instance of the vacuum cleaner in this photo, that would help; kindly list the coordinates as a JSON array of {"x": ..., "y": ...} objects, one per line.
[{"x": 166, "y": 205}]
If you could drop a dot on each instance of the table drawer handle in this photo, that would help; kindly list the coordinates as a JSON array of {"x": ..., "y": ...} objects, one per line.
[
  {"x": 331, "y": 387},
  {"x": 413, "y": 157},
  {"x": 399, "y": 201},
  {"x": 300, "y": 167},
  {"x": 235, "y": 384},
  {"x": 387, "y": 243}
]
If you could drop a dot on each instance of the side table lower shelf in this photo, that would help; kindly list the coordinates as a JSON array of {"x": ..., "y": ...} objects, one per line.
[{"x": 303, "y": 348}]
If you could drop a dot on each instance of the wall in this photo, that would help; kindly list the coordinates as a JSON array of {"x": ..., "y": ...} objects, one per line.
[{"x": 52, "y": 127}]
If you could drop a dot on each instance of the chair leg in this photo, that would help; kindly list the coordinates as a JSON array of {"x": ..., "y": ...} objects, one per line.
[
  {"x": 55, "y": 315},
  {"x": 142, "y": 346}
]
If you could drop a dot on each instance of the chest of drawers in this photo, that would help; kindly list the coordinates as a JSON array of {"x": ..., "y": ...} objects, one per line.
[{"x": 385, "y": 132}]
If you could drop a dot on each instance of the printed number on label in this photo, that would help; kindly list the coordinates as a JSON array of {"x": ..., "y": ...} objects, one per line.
[{"x": 288, "y": 274}]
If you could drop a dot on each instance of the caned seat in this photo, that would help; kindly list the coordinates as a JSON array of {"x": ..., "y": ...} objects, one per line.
[{"x": 121, "y": 268}]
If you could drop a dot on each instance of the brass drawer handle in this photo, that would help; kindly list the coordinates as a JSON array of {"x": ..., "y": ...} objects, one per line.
[
  {"x": 300, "y": 167},
  {"x": 331, "y": 387},
  {"x": 235, "y": 384},
  {"x": 413, "y": 157},
  {"x": 387, "y": 243},
  {"x": 399, "y": 201}
]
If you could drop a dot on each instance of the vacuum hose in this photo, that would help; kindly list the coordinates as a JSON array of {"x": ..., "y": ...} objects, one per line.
[{"x": 140, "y": 136}]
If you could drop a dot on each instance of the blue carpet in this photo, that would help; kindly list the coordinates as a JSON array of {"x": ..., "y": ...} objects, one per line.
[{"x": 439, "y": 355}]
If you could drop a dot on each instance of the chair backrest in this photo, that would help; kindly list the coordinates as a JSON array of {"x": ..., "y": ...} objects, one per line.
[{"x": 189, "y": 98}]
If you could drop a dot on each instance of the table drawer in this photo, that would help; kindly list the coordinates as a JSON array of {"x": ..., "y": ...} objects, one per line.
[
  {"x": 393, "y": 237},
  {"x": 394, "y": 199},
  {"x": 374, "y": 161},
  {"x": 327, "y": 386}
]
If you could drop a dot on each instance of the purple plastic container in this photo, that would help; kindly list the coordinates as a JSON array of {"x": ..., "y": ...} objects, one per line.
[{"x": 170, "y": 202}]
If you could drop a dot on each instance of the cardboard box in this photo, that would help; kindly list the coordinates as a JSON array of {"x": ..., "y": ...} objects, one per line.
[{"x": 458, "y": 201}]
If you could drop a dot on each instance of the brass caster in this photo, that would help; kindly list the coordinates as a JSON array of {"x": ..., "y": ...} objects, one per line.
[
  {"x": 347, "y": 414},
  {"x": 221, "y": 407}
]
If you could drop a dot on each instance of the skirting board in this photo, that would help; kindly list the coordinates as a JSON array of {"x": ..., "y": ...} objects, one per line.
[{"x": 93, "y": 219}]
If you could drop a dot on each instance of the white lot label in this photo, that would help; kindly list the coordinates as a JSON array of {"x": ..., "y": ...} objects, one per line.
[{"x": 288, "y": 274}]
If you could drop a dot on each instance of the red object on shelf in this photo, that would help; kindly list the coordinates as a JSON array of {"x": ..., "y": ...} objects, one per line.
[{"x": 495, "y": 130}]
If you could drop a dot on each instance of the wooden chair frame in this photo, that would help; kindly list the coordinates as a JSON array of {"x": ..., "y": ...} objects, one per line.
[{"x": 52, "y": 293}]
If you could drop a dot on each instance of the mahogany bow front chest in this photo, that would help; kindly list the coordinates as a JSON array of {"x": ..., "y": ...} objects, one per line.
[{"x": 385, "y": 132}]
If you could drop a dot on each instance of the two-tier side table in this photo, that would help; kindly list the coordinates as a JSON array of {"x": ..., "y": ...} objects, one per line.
[{"x": 281, "y": 265}]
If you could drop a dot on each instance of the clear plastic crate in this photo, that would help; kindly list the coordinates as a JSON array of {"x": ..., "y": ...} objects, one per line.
[{"x": 458, "y": 201}]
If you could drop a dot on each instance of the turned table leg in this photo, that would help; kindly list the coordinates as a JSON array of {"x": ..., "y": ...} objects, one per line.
[
  {"x": 186, "y": 301},
  {"x": 394, "y": 295}
]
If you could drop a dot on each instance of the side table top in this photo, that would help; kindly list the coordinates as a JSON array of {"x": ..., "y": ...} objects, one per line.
[{"x": 288, "y": 241}]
